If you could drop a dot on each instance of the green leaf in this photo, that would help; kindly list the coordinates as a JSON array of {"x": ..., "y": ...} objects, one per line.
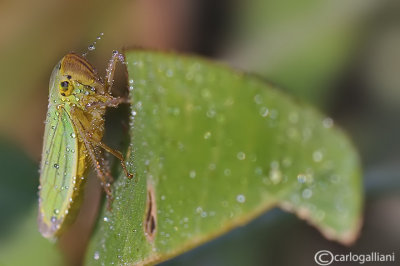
[{"x": 213, "y": 148}]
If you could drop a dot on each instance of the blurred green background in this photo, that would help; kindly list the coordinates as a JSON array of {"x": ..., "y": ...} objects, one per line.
[{"x": 341, "y": 56}]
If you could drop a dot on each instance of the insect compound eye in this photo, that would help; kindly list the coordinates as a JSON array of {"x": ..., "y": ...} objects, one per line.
[
  {"x": 65, "y": 88},
  {"x": 64, "y": 85}
]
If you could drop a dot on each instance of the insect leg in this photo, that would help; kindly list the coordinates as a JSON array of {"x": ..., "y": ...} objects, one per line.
[
  {"x": 116, "y": 56},
  {"x": 119, "y": 156},
  {"x": 96, "y": 157},
  {"x": 113, "y": 102}
]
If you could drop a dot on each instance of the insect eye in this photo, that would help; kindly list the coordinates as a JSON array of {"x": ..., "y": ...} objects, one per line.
[
  {"x": 64, "y": 85},
  {"x": 65, "y": 88}
]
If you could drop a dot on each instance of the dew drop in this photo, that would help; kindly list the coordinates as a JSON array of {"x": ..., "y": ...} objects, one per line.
[
  {"x": 240, "y": 198},
  {"x": 56, "y": 211},
  {"x": 170, "y": 73},
  {"x": 105, "y": 219},
  {"x": 91, "y": 47},
  {"x": 73, "y": 135},
  {"x": 307, "y": 193},
  {"x": 258, "y": 99},
  {"x": 317, "y": 156},
  {"x": 56, "y": 166},
  {"x": 211, "y": 113},
  {"x": 264, "y": 111},
  {"x": 227, "y": 172},
  {"x": 207, "y": 135},
  {"x": 258, "y": 170},
  {"x": 241, "y": 155},
  {"x": 327, "y": 122},
  {"x": 301, "y": 178},
  {"x": 192, "y": 174},
  {"x": 96, "y": 255},
  {"x": 275, "y": 175}
]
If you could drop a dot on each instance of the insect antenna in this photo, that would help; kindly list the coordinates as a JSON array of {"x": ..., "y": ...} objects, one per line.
[{"x": 92, "y": 46}]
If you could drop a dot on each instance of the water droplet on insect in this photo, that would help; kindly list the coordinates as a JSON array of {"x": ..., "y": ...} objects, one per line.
[
  {"x": 241, "y": 155},
  {"x": 56, "y": 211},
  {"x": 131, "y": 81},
  {"x": 56, "y": 166},
  {"x": 240, "y": 198},
  {"x": 91, "y": 47},
  {"x": 53, "y": 219},
  {"x": 73, "y": 135},
  {"x": 96, "y": 255},
  {"x": 105, "y": 219}
]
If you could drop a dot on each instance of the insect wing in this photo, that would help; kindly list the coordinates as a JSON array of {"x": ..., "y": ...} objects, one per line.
[{"x": 59, "y": 170}]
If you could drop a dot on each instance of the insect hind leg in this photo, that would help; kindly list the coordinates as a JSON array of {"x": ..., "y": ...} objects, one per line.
[
  {"x": 119, "y": 156},
  {"x": 97, "y": 159}
]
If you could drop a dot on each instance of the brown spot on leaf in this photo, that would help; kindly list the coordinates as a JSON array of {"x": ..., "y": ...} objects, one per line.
[{"x": 150, "y": 224}]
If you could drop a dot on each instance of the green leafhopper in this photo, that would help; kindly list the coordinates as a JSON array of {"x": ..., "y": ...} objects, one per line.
[{"x": 78, "y": 98}]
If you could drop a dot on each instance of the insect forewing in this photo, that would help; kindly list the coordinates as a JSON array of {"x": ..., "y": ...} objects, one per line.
[{"x": 61, "y": 168}]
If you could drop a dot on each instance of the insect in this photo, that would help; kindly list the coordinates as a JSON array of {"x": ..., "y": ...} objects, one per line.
[{"x": 78, "y": 98}]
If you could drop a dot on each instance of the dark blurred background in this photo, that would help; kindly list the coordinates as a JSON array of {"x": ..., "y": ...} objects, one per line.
[{"x": 339, "y": 55}]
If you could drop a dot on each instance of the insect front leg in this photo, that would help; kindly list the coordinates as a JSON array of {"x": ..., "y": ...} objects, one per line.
[
  {"x": 113, "y": 102},
  {"x": 116, "y": 56}
]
